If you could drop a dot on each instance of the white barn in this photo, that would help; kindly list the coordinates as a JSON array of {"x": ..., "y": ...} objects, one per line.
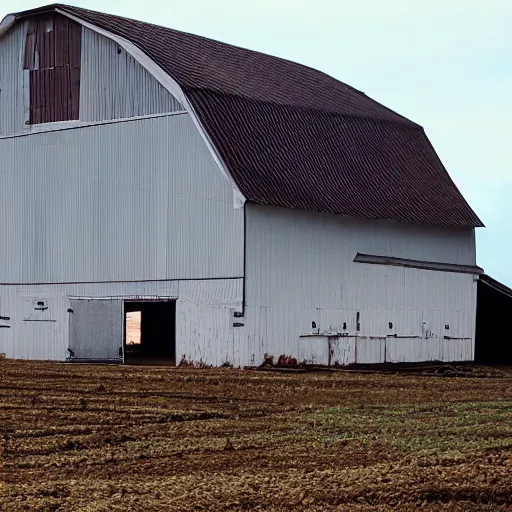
[{"x": 247, "y": 205}]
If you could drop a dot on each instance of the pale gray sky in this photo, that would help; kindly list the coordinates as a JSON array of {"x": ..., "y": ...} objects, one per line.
[{"x": 446, "y": 64}]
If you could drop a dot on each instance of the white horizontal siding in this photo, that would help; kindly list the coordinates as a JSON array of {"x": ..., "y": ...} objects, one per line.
[
  {"x": 300, "y": 270},
  {"x": 114, "y": 85},
  {"x": 135, "y": 200}
]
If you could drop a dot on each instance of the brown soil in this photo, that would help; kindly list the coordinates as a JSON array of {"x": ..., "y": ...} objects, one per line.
[{"x": 101, "y": 438}]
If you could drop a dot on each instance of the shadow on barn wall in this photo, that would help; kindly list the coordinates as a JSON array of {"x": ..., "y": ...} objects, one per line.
[{"x": 493, "y": 338}]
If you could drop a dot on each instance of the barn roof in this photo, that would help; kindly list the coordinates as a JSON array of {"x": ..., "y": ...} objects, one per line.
[{"x": 295, "y": 137}]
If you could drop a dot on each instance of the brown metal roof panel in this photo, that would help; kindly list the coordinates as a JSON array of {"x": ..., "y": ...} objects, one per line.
[
  {"x": 47, "y": 94},
  {"x": 60, "y": 95},
  {"x": 75, "y": 93},
  {"x": 380, "y": 170},
  {"x": 61, "y": 38},
  {"x": 52, "y": 53},
  {"x": 74, "y": 33},
  {"x": 199, "y": 62},
  {"x": 46, "y": 38},
  {"x": 293, "y": 136},
  {"x": 54, "y": 95}
]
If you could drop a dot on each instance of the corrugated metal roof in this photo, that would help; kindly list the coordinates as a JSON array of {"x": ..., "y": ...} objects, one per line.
[{"x": 295, "y": 137}]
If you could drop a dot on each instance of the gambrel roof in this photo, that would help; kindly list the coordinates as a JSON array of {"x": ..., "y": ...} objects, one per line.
[{"x": 292, "y": 136}]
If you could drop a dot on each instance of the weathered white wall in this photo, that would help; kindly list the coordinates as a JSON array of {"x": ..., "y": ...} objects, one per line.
[
  {"x": 204, "y": 316},
  {"x": 123, "y": 203},
  {"x": 114, "y": 85},
  {"x": 135, "y": 200},
  {"x": 300, "y": 269},
  {"x": 14, "y": 92}
]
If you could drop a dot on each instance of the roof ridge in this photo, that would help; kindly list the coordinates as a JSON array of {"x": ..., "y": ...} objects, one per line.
[{"x": 255, "y": 52}]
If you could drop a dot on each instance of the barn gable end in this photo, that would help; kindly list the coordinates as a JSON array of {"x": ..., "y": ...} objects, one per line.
[{"x": 54, "y": 70}]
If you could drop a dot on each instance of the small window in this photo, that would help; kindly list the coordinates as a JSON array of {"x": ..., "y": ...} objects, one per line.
[{"x": 52, "y": 61}]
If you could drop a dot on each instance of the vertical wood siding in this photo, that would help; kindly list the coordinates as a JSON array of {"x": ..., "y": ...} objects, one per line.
[
  {"x": 135, "y": 200},
  {"x": 109, "y": 82},
  {"x": 115, "y": 85},
  {"x": 14, "y": 93},
  {"x": 52, "y": 57}
]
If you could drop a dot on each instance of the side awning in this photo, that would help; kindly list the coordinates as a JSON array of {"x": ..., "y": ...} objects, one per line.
[{"x": 376, "y": 259}]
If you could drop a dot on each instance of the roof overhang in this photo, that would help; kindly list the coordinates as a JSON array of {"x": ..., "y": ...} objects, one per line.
[
  {"x": 6, "y": 24},
  {"x": 10, "y": 19}
]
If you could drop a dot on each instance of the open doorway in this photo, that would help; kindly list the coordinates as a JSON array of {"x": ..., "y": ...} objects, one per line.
[
  {"x": 150, "y": 332},
  {"x": 492, "y": 339}
]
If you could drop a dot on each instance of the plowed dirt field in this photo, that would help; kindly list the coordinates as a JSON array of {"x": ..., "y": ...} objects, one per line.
[{"x": 158, "y": 438}]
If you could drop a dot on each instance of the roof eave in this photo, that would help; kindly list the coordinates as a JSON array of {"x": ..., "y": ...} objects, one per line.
[
  {"x": 6, "y": 24},
  {"x": 9, "y": 20}
]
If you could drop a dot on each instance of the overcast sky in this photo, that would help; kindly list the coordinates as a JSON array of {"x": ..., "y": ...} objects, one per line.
[{"x": 446, "y": 64}]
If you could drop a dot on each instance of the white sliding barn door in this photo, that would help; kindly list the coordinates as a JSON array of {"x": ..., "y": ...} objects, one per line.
[{"x": 96, "y": 330}]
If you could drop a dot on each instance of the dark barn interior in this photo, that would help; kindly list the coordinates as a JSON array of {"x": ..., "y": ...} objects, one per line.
[
  {"x": 493, "y": 339},
  {"x": 157, "y": 332}
]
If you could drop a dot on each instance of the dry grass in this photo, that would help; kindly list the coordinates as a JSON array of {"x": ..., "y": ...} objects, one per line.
[{"x": 139, "y": 438}]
